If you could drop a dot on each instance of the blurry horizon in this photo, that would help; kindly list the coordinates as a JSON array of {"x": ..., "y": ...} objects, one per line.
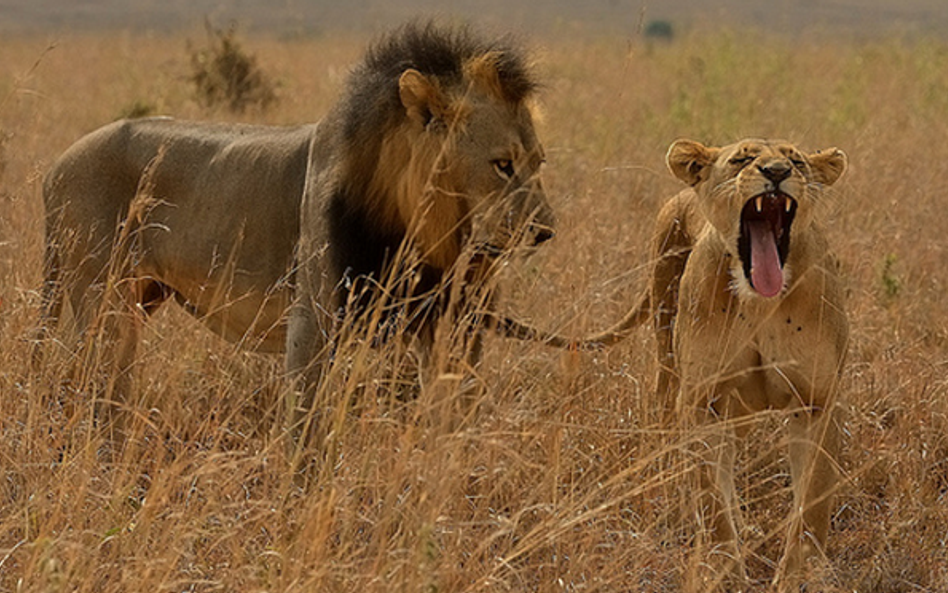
[{"x": 307, "y": 18}]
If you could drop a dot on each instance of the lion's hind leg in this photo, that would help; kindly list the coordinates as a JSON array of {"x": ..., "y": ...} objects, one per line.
[
  {"x": 108, "y": 305},
  {"x": 111, "y": 349}
]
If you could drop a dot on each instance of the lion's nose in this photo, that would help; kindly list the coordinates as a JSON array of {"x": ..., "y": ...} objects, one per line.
[
  {"x": 776, "y": 171},
  {"x": 542, "y": 234}
]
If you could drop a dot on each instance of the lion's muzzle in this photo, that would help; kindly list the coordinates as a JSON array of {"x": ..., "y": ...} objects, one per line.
[
  {"x": 541, "y": 233},
  {"x": 532, "y": 222},
  {"x": 764, "y": 241},
  {"x": 541, "y": 226}
]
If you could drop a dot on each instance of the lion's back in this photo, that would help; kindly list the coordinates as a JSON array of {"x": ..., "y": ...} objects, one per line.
[{"x": 102, "y": 171}]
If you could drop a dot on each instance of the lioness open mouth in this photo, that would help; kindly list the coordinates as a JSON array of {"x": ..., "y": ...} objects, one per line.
[{"x": 764, "y": 241}]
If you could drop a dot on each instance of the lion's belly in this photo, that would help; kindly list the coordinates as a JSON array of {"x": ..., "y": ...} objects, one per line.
[
  {"x": 254, "y": 323},
  {"x": 244, "y": 311},
  {"x": 241, "y": 293}
]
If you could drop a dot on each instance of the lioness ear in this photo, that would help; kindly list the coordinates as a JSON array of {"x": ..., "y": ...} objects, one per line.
[
  {"x": 827, "y": 165},
  {"x": 690, "y": 160},
  {"x": 421, "y": 97}
]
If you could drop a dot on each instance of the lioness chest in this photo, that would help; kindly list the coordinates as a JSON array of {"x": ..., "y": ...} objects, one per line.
[{"x": 774, "y": 349}]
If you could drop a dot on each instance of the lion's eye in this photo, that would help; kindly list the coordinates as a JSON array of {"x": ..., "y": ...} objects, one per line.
[
  {"x": 504, "y": 168},
  {"x": 798, "y": 162},
  {"x": 741, "y": 161}
]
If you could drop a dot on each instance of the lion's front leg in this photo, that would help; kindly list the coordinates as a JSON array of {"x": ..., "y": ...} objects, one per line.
[
  {"x": 813, "y": 450},
  {"x": 456, "y": 339},
  {"x": 307, "y": 344},
  {"x": 451, "y": 352}
]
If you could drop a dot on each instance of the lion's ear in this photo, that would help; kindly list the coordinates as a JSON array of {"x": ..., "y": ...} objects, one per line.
[
  {"x": 828, "y": 165},
  {"x": 690, "y": 161},
  {"x": 483, "y": 71},
  {"x": 421, "y": 97}
]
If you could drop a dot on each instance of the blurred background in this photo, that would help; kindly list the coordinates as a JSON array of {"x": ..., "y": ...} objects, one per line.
[{"x": 311, "y": 17}]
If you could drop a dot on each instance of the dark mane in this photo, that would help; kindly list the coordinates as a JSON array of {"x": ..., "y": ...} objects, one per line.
[
  {"x": 372, "y": 101},
  {"x": 371, "y": 109}
]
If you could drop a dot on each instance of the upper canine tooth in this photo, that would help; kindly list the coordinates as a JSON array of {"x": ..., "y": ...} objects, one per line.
[
  {"x": 759, "y": 203},
  {"x": 788, "y": 204}
]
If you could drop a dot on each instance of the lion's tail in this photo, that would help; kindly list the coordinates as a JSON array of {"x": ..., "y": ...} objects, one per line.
[
  {"x": 51, "y": 299},
  {"x": 51, "y": 294},
  {"x": 638, "y": 315},
  {"x": 671, "y": 246},
  {"x": 512, "y": 328}
]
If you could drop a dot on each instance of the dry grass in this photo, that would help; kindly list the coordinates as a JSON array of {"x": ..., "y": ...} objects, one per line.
[{"x": 562, "y": 481}]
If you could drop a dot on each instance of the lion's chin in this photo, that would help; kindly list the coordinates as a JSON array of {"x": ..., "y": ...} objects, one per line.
[
  {"x": 764, "y": 242},
  {"x": 488, "y": 250},
  {"x": 485, "y": 255}
]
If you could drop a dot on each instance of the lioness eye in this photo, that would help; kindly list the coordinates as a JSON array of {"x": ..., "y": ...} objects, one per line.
[
  {"x": 741, "y": 160},
  {"x": 504, "y": 168}
]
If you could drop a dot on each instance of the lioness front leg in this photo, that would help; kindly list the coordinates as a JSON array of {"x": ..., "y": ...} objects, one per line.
[
  {"x": 722, "y": 423},
  {"x": 718, "y": 501},
  {"x": 813, "y": 449}
]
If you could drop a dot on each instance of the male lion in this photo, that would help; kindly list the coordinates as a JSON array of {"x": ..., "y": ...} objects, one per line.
[
  {"x": 431, "y": 154},
  {"x": 748, "y": 313}
]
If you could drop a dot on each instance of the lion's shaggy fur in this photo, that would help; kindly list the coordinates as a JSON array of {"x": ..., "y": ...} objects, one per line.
[
  {"x": 386, "y": 171},
  {"x": 371, "y": 111},
  {"x": 430, "y": 152}
]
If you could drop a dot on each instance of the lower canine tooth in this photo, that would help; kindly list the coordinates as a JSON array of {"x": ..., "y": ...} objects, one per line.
[{"x": 759, "y": 203}]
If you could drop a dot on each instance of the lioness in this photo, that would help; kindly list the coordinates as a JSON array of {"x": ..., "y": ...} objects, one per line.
[
  {"x": 748, "y": 313},
  {"x": 430, "y": 154}
]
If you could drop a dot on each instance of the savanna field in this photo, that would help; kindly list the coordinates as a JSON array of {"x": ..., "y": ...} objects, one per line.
[{"x": 563, "y": 479}]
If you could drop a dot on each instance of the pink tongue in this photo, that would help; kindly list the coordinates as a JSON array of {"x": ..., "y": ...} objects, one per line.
[{"x": 766, "y": 273}]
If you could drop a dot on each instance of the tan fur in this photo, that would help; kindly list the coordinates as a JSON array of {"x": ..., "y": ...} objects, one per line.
[
  {"x": 726, "y": 352},
  {"x": 246, "y": 220}
]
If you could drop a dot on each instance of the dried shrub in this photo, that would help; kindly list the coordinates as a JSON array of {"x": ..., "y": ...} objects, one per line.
[
  {"x": 137, "y": 109},
  {"x": 224, "y": 74}
]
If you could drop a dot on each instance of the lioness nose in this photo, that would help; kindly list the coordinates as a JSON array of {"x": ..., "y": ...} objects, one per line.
[{"x": 776, "y": 171}]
